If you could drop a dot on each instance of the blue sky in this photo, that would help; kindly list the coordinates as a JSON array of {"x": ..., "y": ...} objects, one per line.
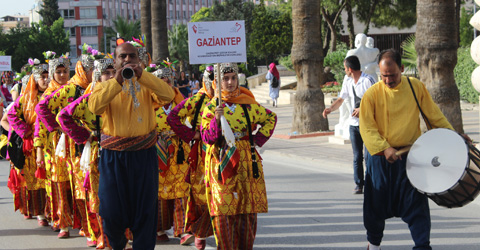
[{"x": 14, "y": 7}]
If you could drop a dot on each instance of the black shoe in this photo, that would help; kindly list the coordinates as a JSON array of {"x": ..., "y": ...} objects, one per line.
[{"x": 358, "y": 190}]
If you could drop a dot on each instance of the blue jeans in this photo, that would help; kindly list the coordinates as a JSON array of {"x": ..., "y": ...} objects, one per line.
[
  {"x": 357, "y": 146},
  {"x": 388, "y": 193}
]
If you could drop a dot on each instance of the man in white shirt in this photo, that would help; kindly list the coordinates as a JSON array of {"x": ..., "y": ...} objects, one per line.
[{"x": 354, "y": 86}]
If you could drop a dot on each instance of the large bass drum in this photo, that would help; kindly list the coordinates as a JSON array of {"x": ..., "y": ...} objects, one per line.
[{"x": 445, "y": 168}]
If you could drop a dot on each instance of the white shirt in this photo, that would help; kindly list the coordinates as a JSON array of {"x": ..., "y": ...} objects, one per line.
[{"x": 364, "y": 82}]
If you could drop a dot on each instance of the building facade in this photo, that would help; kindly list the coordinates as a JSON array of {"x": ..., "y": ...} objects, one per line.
[{"x": 10, "y": 22}]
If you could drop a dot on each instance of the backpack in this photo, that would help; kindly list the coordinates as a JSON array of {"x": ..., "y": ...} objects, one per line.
[{"x": 275, "y": 82}]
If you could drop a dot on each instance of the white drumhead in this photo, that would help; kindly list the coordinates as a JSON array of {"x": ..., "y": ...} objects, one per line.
[{"x": 437, "y": 160}]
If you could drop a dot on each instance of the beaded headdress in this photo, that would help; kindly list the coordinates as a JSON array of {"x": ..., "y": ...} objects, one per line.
[
  {"x": 227, "y": 68},
  {"x": 38, "y": 70},
  {"x": 87, "y": 62},
  {"x": 54, "y": 63},
  {"x": 100, "y": 66}
]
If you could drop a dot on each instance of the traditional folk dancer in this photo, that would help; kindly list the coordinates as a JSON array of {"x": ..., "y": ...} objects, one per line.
[
  {"x": 128, "y": 161},
  {"x": 58, "y": 181},
  {"x": 198, "y": 217},
  {"x": 21, "y": 117},
  {"x": 77, "y": 113},
  {"x": 47, "y": 110},
  {"x": 389, "y": 120},
  {"x": 173, "y": 168},
  {"x": 235, "y": 184}
]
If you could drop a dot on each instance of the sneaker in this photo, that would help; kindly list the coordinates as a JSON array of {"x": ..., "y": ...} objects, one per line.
[
  {"x": 63, "y": 235},
  {"x": 162, "y": 238},
  {"x": 187, "y": 239},
  {"x": 358, "y": 190},
  {"x": 373, "y": 247},
  {"x": 42, "y": 222},
  {"x": 200, "y": 244}
]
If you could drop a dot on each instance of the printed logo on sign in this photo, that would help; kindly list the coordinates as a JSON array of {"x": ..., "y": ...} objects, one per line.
[
  {"x": 239, "y": 26},
  {"x": 194, "y": 27}
]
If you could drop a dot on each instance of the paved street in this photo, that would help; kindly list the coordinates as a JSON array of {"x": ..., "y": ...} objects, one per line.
[{"x": 309, "y": 183}]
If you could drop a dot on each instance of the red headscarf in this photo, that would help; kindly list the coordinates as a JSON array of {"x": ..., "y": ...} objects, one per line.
[{"x": 274, "y": 71}]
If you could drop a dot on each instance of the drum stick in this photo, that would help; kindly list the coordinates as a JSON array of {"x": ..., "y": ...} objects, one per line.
[{"x": 403, "y": 150}]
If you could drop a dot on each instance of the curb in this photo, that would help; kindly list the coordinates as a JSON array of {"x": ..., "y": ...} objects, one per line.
[{"x": 315, "y": 134}]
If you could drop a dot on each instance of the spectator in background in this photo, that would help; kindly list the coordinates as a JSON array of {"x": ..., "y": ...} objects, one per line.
[
  {"x": 182, "y": 84},
  {"x": 194, "y": 84},
  {"x": 274, "y": 81}
]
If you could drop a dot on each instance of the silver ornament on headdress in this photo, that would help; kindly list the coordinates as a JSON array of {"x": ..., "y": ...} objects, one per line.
[
  {"x": 164, "y": 73},
  {"x": 100, "y": 66},
  {"x": 143, "y": 55},
  {"x": 25, "y": 80},
  {"x": 226, "y": 68},
  {"x": 38, "y": 70},
  {"x": 87, "y": 62},
  {"x": 54, "y": 63}
]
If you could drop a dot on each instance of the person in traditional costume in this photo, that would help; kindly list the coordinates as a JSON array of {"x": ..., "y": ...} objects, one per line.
[
  {"x": 191, "y": 109},
  {"x": 21, "y": 118},
  {"x": 47, "y": 110},
  {"x": 6, "y": 86},
  {"x": 58, "y": 181},
  {"x": 235, "y": 184},
  {"x": 173, "y": 168},
  {"x": 69, "y": 119},
  {"x": 128, "y": 166}
]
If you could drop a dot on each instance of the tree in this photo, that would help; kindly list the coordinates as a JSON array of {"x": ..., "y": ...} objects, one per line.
[
  {"x": 29, "y": 42},
  {"x": 178, "y": 44},
  {"x": 437, "y": 55},
  {"x": 331, "y": 11},
  {"x": 49, "y": 12},
  {"x": 124, "y": 28},
  {"x": 146, "y": 23},
  {"x": 159, "y": 31},
  {"x": 271, "y": 34},
  {"x": 307, "y": 58},
  {"x": 397, "y": 13},
  {"x": 465, "y": 29}
]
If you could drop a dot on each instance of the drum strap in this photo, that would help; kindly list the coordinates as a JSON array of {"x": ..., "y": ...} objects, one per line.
[{"x": 429, "y": 126}]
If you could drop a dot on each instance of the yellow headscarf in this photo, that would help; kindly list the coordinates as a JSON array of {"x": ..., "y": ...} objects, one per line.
[
  {"x": 30, "y": 100},
  {"x": 80, "y": 77}
]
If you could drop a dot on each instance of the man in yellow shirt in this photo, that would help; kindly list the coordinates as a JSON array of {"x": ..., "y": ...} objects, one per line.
[
  {"x": 389, "y": 120},
  {"x": 128, "y": 162}
]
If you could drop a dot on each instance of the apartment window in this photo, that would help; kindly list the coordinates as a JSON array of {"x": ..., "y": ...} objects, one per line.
[
  {"x": 196, "y": 2},
  {"x": 67, "y": 14},
  {"x": 171, "y": 14},
  {"x": 71, "y": 31},
  {"x": 178, "y": 14},
  {"x": 184, "y": 15},
  {"x": 190, "y": 1},
  {"x": 171, "y": 1},
  {"x": 88, "y": 13},
  {"x": 89, "y": 31},
  {"x": 191, "y": 13},
  {"x": 204, "y": 2},
  {"x": 183, "y": 1},
  {"x": 73, "y": 51}
]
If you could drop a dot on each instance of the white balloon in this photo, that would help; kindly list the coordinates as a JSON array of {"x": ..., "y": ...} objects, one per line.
[
  {"x": 475, "y": 20},
  {"x": 475, "y": 50},
  {"x": 476, "y": 79},
  {"x": 477, "y": 2}
]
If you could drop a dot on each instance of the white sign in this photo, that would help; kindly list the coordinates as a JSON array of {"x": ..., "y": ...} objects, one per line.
[
  {"x": 217, "y": 42},
  {"x": 5, "y": 63},
  {"x": 84, "y": 23}
]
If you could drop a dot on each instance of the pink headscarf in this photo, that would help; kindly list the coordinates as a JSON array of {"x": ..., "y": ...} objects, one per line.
[{"x": 274, "y": 71}]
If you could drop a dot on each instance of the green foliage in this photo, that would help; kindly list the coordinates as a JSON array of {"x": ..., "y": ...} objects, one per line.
[
  {"x": 2, "y": 53},
  {"x": 49, "y": 12},
  {"x": 463, "y": 72},
  {"x": 397, "y": 13},
  {"x": 334, "y": 60},
  {"x": 126, "y": 29},
  {"x": 178, "y": 42},
  {"x": 286, "y": 61},
  {"x": 271, "y": 33},
  {"x": 29, "y": 42},
  {"x": 202, "y": 15},
  {"x": 466, "y": 30},
  {"x": 409, "y": 58}
]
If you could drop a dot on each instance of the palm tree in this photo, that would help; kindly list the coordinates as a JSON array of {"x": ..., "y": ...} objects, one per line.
[
  {"x": 146, "y": 23},
  {"x": 124, "y": 28},
  {"x": 307, "y": 58},
  {"x": 437, "y": 55},
  {"x": 409, "y": 57},
  {"x": 159, "y": 31},
  {"x": 178, "y": 44}
]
